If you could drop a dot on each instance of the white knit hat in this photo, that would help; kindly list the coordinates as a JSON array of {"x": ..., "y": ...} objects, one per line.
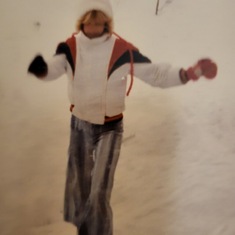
[{"x": 89, "y": 5}]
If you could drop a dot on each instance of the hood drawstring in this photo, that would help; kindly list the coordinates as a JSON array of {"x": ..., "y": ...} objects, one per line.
[{"x": 131, "y": 63}]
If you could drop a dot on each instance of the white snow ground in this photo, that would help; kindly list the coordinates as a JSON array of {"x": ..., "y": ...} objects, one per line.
[{"x": 177, "y": 168}]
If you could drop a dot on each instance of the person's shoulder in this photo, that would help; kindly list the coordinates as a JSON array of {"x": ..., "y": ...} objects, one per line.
[
  {"x": 71, "y": 38},
  {"x": 122, "y": 43}
]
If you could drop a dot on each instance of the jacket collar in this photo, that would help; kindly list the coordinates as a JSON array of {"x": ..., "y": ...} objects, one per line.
[{"x": 91, "y": 42}]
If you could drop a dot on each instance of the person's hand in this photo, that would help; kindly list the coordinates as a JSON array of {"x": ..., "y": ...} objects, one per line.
[
  {"x": 204, "y": 67},
  {"x": 38, "y": 67}
]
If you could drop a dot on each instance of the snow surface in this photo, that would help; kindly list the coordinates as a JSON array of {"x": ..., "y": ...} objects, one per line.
[{"x": 177, "y": 168}]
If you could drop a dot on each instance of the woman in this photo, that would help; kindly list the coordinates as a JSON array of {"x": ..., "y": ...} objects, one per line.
[{"x": 97, "y": 64}]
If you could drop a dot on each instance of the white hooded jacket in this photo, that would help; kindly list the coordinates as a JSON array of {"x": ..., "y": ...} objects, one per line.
[{"x": 97, "y": 74}]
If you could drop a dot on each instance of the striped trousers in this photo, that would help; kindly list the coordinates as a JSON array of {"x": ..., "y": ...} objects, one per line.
[{"x": 93, "y": 155}]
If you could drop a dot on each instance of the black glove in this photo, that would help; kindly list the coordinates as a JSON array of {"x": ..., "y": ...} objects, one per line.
[{"x": 38, "y": 67}]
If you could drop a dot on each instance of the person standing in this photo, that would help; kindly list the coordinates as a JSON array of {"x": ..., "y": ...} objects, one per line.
[{"x": 97, "y": 63}]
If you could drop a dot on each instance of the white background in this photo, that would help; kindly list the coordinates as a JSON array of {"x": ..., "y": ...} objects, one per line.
[{"x": 177, "y": 167}]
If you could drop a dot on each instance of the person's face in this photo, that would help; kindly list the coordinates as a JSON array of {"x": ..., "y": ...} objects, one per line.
[{"x": 94, "y": 28}]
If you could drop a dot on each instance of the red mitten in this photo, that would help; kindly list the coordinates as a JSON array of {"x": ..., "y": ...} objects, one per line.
[{"x": 204, "y": 67}]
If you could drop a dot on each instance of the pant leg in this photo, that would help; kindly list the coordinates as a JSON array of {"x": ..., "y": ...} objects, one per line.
[
  {"x": 89, "y": 185},
  {"x": 80, "y": 165},
  {"x": 99, "y": 218}
]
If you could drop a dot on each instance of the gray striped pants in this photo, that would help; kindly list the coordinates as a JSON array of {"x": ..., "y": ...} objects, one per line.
[{"x": 93, "y": 155}]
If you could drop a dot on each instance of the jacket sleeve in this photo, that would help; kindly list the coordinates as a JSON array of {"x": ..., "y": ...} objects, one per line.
[
  {"x": 56, "y": 67},
  {"x": 58, "y": 64},
  {"x": 158, "y": 75}
]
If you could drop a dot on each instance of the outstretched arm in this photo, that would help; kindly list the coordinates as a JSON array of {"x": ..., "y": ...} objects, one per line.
[
  {"x": 164, "y": 75},
  {"x": 50, "y": 70}
]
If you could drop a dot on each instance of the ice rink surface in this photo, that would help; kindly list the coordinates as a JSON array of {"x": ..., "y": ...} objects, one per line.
[{"x": 176, "y": 171}]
